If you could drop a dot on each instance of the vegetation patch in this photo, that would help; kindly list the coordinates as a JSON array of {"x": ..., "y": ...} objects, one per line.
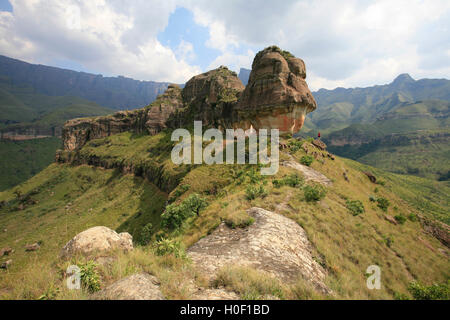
[
  {"x": 314, "y": 193},
  {"x": 356, "y": 207},
  {"x": 306, "y": 160}
]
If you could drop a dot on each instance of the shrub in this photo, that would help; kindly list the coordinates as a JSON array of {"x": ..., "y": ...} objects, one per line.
[
  {"x": 195, "y": 203},
  {"x": 306, "y": 160},
  {"x": 400, "y": 218},
  {"x": 295, "y": 145},
  {"x": 169, "y": 246},
  {"x": 253, "y": 192},
  {"x": 314, "y": 193},
  {"x": 372, "y": 198},
  {"x": 356, "y": 207},
  {"x": 181, "y": 190},
  {"x": 433, "y": 292},
  {"x": 238, "y": 219},
  {"x": 89, "y": 276},
  {"x": 292, "y": 180},
  {"x": 412, "y": 217},
  {"x": 174, "y": 215},
  {"x": 146, "y": 233},
  {"x": 383, "y": 203}
]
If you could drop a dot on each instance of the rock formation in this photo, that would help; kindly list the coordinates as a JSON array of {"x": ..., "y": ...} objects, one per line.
[
  {"x": 273, "y": 243},
  {"x": 97, "y": 240},
  {"x": 151, "y": 119},
  {"x": 140, "y": 286},
  {"x": 276, "y": 97}
]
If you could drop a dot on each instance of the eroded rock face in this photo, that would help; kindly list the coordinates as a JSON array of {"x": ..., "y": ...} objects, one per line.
[
  {"x": 210, "y": 97},
  {"x": 273, "y": 243},
  {"x": 140, "y": 286},
  {"x": 151, "y": 119},
  {"x": 97, "y": 240},
  {"x": 276, "y": 96}
]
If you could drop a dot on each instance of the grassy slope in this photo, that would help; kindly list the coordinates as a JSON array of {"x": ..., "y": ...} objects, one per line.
[
  {"x": 20, "y": 160},
  {"x": 345, "y": 244}
]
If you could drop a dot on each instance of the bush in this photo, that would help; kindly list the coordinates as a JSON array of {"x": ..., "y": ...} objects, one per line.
[
  {"x": 306, "y": 160},
  {"x": 89, "y": 276},
  {"x": 400, "y": 218},
  {"x": 146, "y": 233},
  {"x": 292, "y": 180},
  {"x": 433, "y": 292},
  {"x": 355, "y": 206},
  {"x": 383, "y": 204},
  {"x": 253, "y": 192},
  {"x": 169, "y": 246},
  {"x": 295, "y": 145},
  {"x": 314, "y": 193},
  {"x": 412, "y": 217},
  {"x": 174, "y": 215},
  {"x": 372, "y": 199}
]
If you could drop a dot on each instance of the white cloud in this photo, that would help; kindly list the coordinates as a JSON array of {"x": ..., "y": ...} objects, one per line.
[
  {"x": 112, "y": 37},
  {"x": 343, "y": 43}
]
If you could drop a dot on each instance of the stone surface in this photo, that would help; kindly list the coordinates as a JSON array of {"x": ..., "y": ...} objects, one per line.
[
  {"x": 77, "y": 132},
  {"x": 319, "y": 144},
  {"x": 273, "y": 243},
  {"x": 371, "y": 177},
  {"x": 97, "y": 240},
  {"x": 140, "y": 286},
  {"x": 309, "y": 173},
  {"x": 6, "y": 264},
  {"x": 213, "y": 294},
  {"x": 276, "y": 95},
  {"x": 32, "y": 247},
  {"x": 6, "y": 251},
  {"x": 390, "y": 219}
]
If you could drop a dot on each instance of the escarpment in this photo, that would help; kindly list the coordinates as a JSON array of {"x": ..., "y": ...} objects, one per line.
[{"x": 276, "y": 97}]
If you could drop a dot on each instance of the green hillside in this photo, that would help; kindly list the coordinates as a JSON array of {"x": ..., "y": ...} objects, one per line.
[
  {"x": 20, "y": 160},
  {"x": 118, "y": 181},
  {"x": 413, "y": 138}
]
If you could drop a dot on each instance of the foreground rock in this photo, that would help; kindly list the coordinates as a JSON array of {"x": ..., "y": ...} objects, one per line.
[
  {"x": 309, "y": 173},
  {"x": 97, "y": 240},
  {"x": 273, "y": 243},
  {"x": 276, "y": 96},
  {"x": 6, "y": 264},
  {"x": 140, "y": 286},
  {"x": 6, "y": 251},
  {"x": 32, "y": 247}
]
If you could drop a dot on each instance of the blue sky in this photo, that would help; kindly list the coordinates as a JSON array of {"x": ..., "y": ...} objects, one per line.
[{"x": 346, "y": 44}]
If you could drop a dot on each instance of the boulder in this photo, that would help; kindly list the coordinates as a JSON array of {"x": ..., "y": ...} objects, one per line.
[
  {"x": 6, "y": 251},
  {"x": 319, "y": 144},
  {"x": 32, "y": 247},
  {"x": 97, "y": 240},
  {"x": 276, "y": 96},
  {"x": 273, "y": 244},
  {"x": 371, "y": 177},
  {"x": 6, "y": 264},
  {"x": 140, "y": 286},
  {"x": 390, "y": 219}
]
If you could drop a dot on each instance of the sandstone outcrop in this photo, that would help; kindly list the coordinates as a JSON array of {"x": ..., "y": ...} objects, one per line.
[
  {"x": 97, "y": 240},
  {"x": 210, "y": 97},
  {"x": 150, "y": 120},
  {"x": 273, "y": 244},
  {"x": 140, "y": 286},
  {"x": 276, "y": 95}
]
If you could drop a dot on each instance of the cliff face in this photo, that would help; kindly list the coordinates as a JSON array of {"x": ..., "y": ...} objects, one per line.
[
  {"x": 113, "y": 92},
  {"x": 151, "y": 119},
  {"x": 276, "y": 97}
]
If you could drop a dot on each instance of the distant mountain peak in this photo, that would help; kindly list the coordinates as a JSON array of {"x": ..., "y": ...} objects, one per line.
[{"x": 403, "y": 78}]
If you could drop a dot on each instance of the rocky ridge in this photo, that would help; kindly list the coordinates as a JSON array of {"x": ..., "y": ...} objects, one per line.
[{"x": 276, "y": 96}]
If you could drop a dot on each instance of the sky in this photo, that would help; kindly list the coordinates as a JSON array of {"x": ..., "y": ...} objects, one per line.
[{"x": 343, "y": 43}]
